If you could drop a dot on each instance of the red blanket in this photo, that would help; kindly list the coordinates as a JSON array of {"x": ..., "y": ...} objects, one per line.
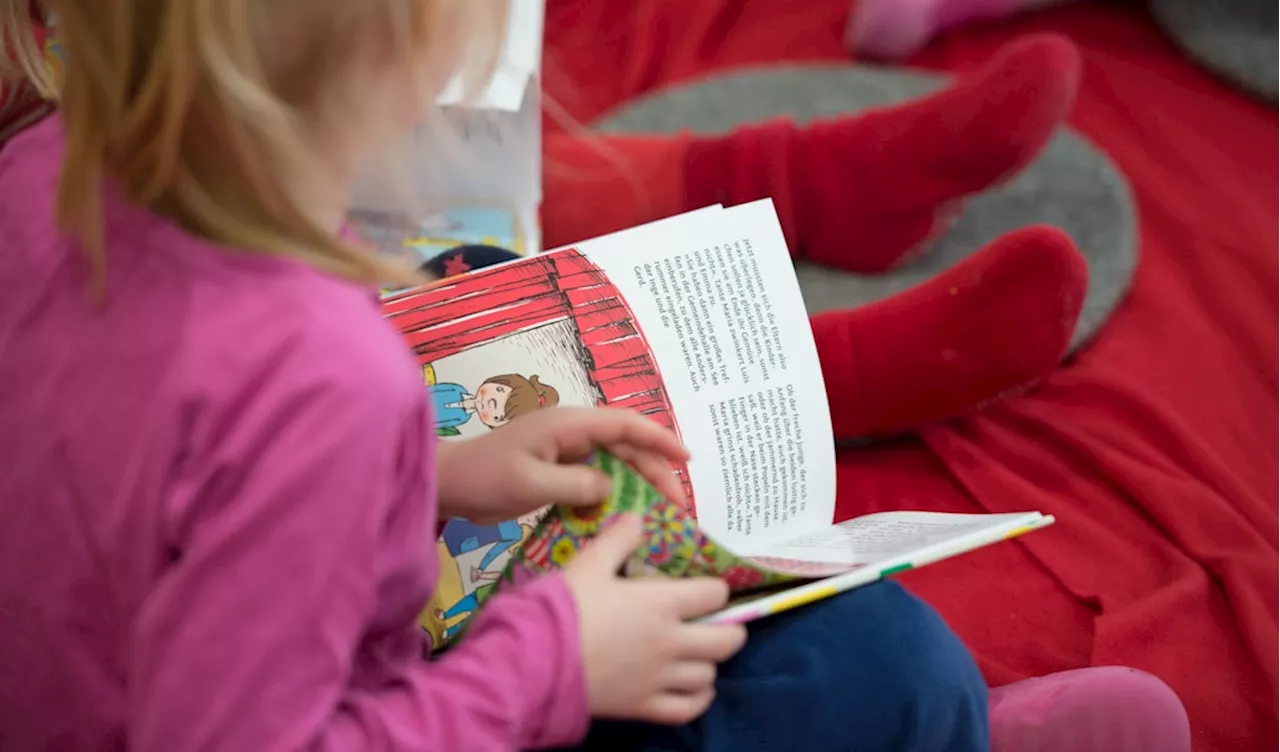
[{"x": 1156, "y": 447}]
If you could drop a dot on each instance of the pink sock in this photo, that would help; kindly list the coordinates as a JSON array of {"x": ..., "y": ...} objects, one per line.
[
  {"x": 894, "y": 29},
  {"x": 1106, "y": 708}
]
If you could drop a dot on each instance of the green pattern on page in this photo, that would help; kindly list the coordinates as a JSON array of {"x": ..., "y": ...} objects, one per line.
[{"x": 673, "y": 545}]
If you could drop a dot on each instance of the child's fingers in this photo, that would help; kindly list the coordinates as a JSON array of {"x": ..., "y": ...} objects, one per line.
[
  {"x": 609, "y": 550},
  {"x": 645, "y": 433},
  {"x": 570, "y": 485},
  {"x": 684, "y": 599},
  {"x": 677, "y": 708},
  {"x": 687, "y": 677},
  {"x": 654, "y": 468},
  {"x": 613, "y": 427},
  {"x": 716, "y": 643}
]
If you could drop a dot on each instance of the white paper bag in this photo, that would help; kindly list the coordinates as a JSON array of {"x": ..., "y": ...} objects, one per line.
[{"x": 473, "y": 174}]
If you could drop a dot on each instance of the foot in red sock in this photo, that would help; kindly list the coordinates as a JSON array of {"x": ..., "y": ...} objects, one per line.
[
  {"x": 997, "y": 321},
  {"x": 859, "y": 191}
]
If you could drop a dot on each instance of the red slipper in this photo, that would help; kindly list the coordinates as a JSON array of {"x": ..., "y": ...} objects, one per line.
[{"x": 996, "y": 322}]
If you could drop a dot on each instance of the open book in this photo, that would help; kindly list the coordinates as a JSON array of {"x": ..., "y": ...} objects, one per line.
[{"x": 696, "y": 321}]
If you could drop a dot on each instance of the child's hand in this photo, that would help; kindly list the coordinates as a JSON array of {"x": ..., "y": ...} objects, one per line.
[
  {"x": 643, "y": 660},
  {"x": 539, "y": 460}
]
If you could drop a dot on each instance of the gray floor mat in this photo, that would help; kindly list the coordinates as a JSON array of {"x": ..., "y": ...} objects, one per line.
[{"x": 1235, "y": 39}]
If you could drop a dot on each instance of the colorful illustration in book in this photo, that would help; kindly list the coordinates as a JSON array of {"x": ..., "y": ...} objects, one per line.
[
  {"x": 556, "y": 316},
  {"x": 473, "y": 559}
]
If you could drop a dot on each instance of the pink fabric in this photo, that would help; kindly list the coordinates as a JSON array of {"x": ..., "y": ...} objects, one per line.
[
  {"x": 1109, "y": 709},
  {"x": 890, "y": 29},
  {"x": 895, "y": 29},
  {"x": 218, "y": 506}
]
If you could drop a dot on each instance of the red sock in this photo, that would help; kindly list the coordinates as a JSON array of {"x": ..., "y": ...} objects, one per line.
[
  {"x": 859, "y": 191},
  {"x": 997, "y": 321}
]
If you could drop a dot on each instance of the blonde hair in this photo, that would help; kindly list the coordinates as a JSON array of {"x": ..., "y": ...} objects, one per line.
[
  {"x": 23, "y": 61},
  {"x": 192, "y": 106},
  {"x": 26, "y": 84}
]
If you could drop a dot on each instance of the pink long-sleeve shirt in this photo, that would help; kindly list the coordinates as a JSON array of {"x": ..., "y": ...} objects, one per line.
[{"x": 217, "y": 507}]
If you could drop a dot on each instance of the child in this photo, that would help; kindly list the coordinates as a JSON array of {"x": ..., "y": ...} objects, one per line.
[
  {"x": 218, "y": 520},
  {"x": 220, "y": 475}
]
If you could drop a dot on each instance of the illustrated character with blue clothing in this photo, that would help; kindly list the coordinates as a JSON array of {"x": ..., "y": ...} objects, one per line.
[
  {"x": 462, "y": 536},
  {"x": 497, "y": 401}
]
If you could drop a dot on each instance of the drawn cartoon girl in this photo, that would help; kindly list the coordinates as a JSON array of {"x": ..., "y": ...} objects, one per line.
[{"x": 499, "y": 400}]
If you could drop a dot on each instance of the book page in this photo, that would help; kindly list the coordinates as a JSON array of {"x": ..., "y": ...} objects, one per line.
[
  {"x": 717, "y": 300},
  {"x": 875, "y": 537}
]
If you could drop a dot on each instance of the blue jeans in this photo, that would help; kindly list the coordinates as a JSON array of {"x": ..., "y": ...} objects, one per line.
[{"x": 873, "y": 669}]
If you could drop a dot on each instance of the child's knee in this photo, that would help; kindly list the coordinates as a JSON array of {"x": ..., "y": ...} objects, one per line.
[
  {"x": 924, "y": 682},
  {"x": 875, "y": 668}
]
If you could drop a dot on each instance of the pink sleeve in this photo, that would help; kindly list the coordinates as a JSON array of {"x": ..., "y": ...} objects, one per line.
[
  {"x": 301, "y": 554},
  {"x": 514, "y": 683}
]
